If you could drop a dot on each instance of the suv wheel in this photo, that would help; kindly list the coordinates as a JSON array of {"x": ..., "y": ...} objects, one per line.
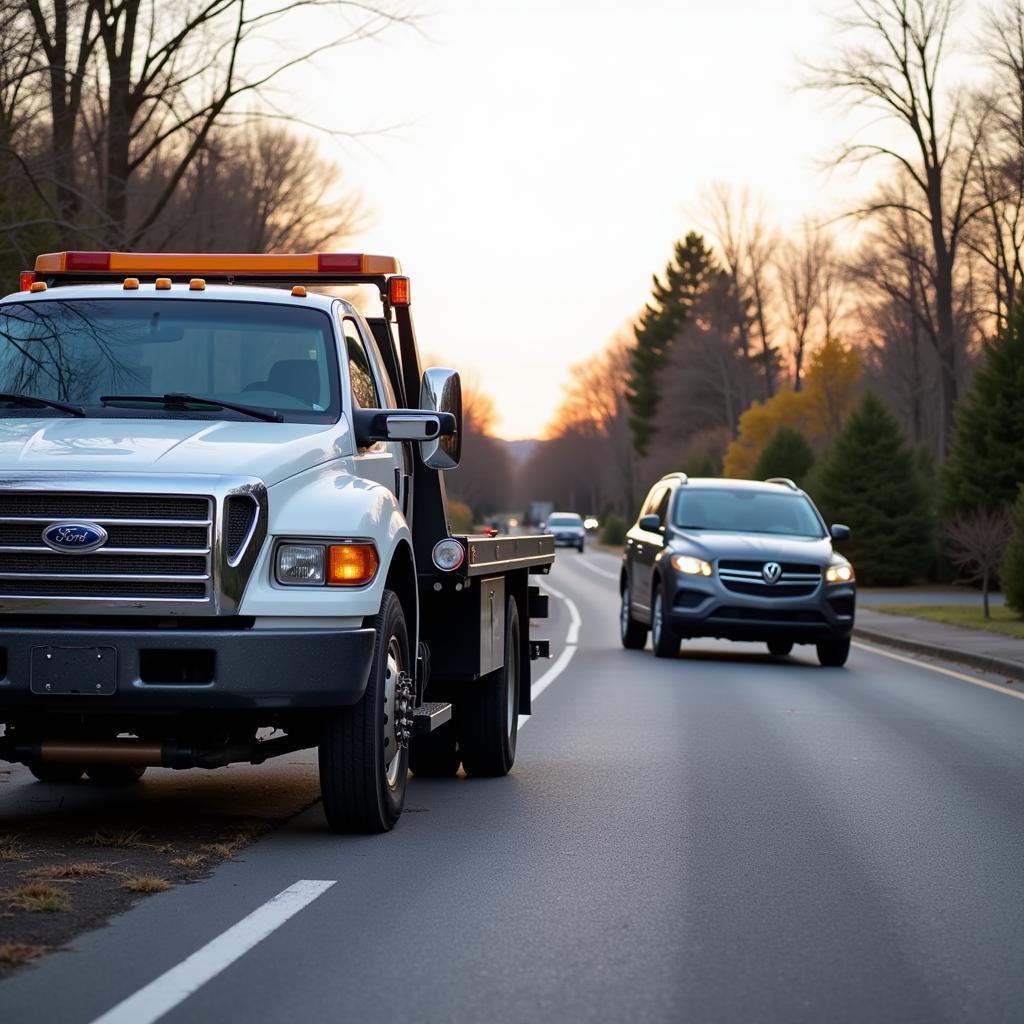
[
  {"x": 833, "y": 653},
  {"x": 632, "y": 633},
  {"x": 663, "y": 637}
]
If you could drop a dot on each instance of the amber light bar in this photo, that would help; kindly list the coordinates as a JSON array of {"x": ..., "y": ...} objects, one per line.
[{"x": 328, "y": 264}]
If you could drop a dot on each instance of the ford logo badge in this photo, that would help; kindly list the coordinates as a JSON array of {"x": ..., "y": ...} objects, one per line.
[{"x": 71, "y": 536}]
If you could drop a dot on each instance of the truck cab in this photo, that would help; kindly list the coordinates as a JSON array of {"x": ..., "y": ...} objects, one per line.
[{"x": 224, "y": 532}]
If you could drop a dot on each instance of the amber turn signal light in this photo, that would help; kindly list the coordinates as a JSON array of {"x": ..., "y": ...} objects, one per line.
[{"x": 351, "y": 565}]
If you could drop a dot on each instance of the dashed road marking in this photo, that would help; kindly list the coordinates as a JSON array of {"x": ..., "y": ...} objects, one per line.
[
  {"x": 571, "y": 646},
  {"x": 163, "y": 994}
]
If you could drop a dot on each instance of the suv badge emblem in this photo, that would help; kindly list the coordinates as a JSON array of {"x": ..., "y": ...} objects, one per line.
[
  {"x": 771, "y": 571},
  {"x": 74, "y": 537}
]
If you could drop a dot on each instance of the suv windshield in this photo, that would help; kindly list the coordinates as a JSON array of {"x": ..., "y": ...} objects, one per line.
[
  {"x": 565, "y": 520},
  {"x": 256, "y": 354},
  {"x": 739, "y": 510}
]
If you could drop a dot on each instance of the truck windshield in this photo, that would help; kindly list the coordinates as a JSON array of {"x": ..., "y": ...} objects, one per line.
[
  {"x": 728, "y": 510},
  {"x": 255, "y": 354}
]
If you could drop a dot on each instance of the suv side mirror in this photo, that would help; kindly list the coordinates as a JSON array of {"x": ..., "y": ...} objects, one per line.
[
  {"x": 839, "y": 532},
  {"x": 651, "y": 523},
  {"x": 441, "y": 392}
]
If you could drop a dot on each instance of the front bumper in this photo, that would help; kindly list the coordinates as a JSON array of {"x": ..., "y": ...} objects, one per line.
[
  {"x": 704, "y": 606},
  {"x": 187, "y": 670}
]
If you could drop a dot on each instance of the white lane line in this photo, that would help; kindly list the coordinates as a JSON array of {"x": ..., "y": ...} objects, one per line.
[
  {"x": 571, "y": 646},
  {"x": 166, "y": 992},
  {"x": 607, "y": 573},
  {"x": 973, "y": 680}
]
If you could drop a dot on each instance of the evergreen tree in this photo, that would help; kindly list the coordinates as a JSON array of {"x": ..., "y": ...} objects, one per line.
[
  {"x": 787, "y": 453},
  {"x": 986, "y": 458},
  {"x": 868, "y": 481},
  {"x": 1011, "y": 572},
  {"x": 670, "y": 309}
]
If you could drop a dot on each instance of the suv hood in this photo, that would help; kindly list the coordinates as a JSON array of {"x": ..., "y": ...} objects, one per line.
[
  {"x": 753, "y": 547},
  {"x": 270, "y": 451}
]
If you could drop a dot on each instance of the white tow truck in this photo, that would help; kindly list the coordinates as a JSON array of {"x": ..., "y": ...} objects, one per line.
[{"x": 224, "y": 533}]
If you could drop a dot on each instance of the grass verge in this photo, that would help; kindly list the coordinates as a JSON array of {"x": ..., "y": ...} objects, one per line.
[
  {"x": 40, "y": 898},
  {"x": 1003, "y": 621}
]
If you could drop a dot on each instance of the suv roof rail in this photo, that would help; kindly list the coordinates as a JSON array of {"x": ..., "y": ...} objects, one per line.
[
  {"x": 681, "y": 477},
  {"x": 784, "y": 480}
]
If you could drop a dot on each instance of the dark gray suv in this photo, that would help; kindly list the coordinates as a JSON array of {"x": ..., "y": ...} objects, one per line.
[{"x": 739, "y": 560}]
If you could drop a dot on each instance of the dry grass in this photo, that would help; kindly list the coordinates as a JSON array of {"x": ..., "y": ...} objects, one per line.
[
  {"x": 189, "y": 861},
  {"x": 38, "y": 897},
  {"x": 11, "y": 849},
  {"x": 123, "y": 840},
  {"x": 971, "y": 616},
  {"x": 58, "y": 872},
  {"x": 146, "y": 883},
  {"x": 14, "y": 953},
  {"x": 228, "y": 848}
]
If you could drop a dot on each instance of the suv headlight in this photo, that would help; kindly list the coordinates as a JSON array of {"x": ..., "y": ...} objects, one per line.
[
  {"x": 691, "y": 566},
  {"x": 841, "y": 573}
]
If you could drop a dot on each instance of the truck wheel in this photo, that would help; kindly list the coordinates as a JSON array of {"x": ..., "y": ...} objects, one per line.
[
  {"x": 436, "y": 755},
  {"x": 633, "y": 633},
  {"x": 663, "y": 638},
  {"x": 59, "y": 774},
  {"x": 115, "y": 774},
  {"x": 833, "y": 653},
  {"x": 488, "y": 714},
  {"x": 779, "y": 648},
  {"x": 363, "y": 767}
]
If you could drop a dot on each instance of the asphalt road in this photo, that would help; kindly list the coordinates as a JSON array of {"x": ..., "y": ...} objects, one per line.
[{"x": 723, "y": 837}]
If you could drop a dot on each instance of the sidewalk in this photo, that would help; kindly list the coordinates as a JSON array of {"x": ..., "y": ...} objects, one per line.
[{"x": 988, "y": 652}]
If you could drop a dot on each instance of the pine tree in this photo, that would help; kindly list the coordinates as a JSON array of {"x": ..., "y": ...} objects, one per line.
[
  {"x": 670, "y": 309},
  {"x": 986, "y": 458},
  {"x": 787, "y": 453},
  {"x": 1011, "y": 571},
  {"x": 868, "y": 481}
]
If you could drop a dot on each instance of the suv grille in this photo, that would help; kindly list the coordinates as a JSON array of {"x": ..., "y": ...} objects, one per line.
[
  {"x": 158, "y": 547},
  {"x": 798, "y": 579}
]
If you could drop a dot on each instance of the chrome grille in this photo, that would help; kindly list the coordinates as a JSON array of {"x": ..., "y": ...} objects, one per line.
[
  {"x": 159, "y": 546},
  {"x": 798, "y": 579}
]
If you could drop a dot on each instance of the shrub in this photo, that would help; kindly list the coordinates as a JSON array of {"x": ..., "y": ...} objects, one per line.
[
  {"x": 460, "y": 517},
  {"x": 613, "y": 532},
  {"x": 788, "y": 454},
  {"x": 868, "y": 481},
  {"x": 1011, "y": 572}
]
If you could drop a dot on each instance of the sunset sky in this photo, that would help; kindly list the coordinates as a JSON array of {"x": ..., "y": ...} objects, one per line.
[{"x": 542, "y": 158}]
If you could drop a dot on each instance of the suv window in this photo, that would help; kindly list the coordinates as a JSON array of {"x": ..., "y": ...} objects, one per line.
[
  {"x": 740, "y": 510},
  {"x": 654, "y": 500}
]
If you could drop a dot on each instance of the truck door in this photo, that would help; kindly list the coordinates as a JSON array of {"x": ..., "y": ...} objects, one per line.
[
  {"x": 643, "y": 547},
  {"x": 381, "y": 462}
]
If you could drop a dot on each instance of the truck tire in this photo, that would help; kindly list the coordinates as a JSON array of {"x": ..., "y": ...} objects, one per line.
[
  {"x": 632, "y": 633},
  {"x": 833, "y": 653},
  {"x": 363, "y": 768},
  {"x": 115, "y": 774},
  {"x": 436, "y": 755},
  {"x": 58, "y": 774},
  {"x": 488, "y": 714},
  {"x": 664, "y": 639}
]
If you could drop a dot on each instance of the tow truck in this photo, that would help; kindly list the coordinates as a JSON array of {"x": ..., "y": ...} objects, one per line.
[{"x": 224, "y": 532}]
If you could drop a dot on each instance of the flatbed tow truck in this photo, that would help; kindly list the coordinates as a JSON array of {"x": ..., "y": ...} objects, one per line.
[{"x": 224, "y": 533}]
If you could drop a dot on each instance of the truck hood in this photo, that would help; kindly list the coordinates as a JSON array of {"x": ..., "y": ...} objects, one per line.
[{"x": 270, "y": 451}]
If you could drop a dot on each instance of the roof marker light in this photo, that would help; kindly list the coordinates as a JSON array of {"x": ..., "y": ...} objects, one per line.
[
  {"x": 299, "y": 291},
  {"x": 37, "y": 286},
  {"x": 131, "y": 284},
  {"x": 163, "y": 284},
  {"x": 197, "y": 284},
  {"x": 25, "y": 279}
]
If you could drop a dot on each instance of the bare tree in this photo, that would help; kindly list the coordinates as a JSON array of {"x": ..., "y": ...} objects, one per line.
[
  {"x": 804, "y": 266},
  {"x": 895, "y": 65},
  {"x": 977, "y": 544}
]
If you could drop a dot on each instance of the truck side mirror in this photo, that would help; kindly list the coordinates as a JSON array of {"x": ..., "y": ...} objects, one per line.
[
  {"x": 400, "y": 425},
  {"x": 441, "y": 392}
]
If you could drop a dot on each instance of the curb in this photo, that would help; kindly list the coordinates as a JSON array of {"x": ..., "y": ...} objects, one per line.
[{"x": 1011, "y": 669}]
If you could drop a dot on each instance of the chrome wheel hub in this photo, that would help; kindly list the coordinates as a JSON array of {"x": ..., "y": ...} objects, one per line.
[{"x": 397, "y": 712}]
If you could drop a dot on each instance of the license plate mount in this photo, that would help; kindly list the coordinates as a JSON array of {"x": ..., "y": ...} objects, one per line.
[{"x": 74, "y": 671}]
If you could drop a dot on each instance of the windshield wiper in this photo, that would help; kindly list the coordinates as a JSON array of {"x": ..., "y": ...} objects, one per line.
[
  {"x": 31, "y": 402},
  {"x": 179, "y": 401}
]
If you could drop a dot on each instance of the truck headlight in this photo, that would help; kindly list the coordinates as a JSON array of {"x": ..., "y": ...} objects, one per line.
[
  {"x": 842, "y": 573},
  {"x": 301, "y": 564},
  {"x": 691, "y": 566}
]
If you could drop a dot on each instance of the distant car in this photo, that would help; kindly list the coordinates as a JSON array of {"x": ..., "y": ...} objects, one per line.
[
  {"x": 567, "y": 529},
  {"x": 739, "y": 560}
]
